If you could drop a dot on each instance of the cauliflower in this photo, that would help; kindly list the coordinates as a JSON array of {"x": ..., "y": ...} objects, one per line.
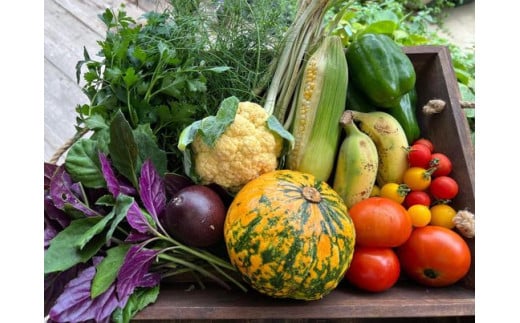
[{"x": 237, "y": 145}]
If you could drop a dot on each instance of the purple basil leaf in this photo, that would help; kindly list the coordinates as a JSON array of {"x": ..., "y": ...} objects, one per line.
[
  {"x": 76, "y": 305},
  {"x": 64, "y": 193},
  {"x": 151, "y": 189},
  {"x": 109, "y": 175},
  {"x": 51, "y": 212},
  {"x": 134, "y": 271},
  {"x": 137, "y": 218},
  {"x": 54, "y": 284},
  {"x": 136, "y": 237},
  {"x": 49, "y": 232},
  {"x": 150, "y": 280},
  {"x": 48, "y": 171},
  {"x": 115, "y": 185}
]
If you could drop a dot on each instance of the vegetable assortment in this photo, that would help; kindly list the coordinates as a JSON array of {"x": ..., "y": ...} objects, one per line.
[{"x": 287, "y": 183}]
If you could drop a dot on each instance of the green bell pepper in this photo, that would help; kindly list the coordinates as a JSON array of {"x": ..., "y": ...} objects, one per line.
[
  {"x": 405, "y": 113},
  {"x": 379, "y": 67},
  {"x": 357, "y": 101}
]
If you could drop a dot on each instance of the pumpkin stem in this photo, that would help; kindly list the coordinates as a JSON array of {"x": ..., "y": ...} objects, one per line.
[{"x": 311, "y": 194}]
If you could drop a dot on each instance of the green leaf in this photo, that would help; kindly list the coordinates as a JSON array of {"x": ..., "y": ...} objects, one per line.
[
  {"x": 139, "y": 54},
  {"x": 96, "y": 122},
  {"x": 381, "y": 27},
  {"x": 63, "y": 252},
  {"x": 113, "y": 74},
  {"x": 123, "y": 148},
  {"x": 139, "y": 299},
  {"x": 188, "y": 135},
  {"x": 82, "y": 162},
  {"x": 102, "y": 138},
  {"x": 107, "y": 269},
  {"x": 106, "y": 200},
  {"x": 107, "y": 17},
  {"x": 196, "y": 85},
  {"x": 89, "y": 234},
  {"x": 123, "y": 203},
  {"x": 130, "y": 77},
  {"x": 274, "y": 125},
  {"x": 462, "y": 75},
  {"x": 400, "y": 34},
  {"x": 470, "y": 113},
  {"x": 466, "y": 93},
  {"x": 148, "y": 148},
  {"x": 211, "y": 128},
  {"x": 386, "y": 15}
]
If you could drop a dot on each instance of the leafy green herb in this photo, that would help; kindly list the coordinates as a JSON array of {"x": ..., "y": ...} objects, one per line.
[
  {"x": 107, "y": 269},
  {"x": 170, "y": 68}
]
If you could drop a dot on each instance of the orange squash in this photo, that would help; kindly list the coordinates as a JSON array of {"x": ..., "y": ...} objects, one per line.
[{"x": 289, "y": 235}]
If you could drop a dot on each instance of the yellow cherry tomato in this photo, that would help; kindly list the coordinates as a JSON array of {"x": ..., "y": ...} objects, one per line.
[
  {"x": 420, "y": 214},
  {"x": 417, "y": 178},
  {"x": 394, "y": 191},
  {"x": 442, "y": 215}
]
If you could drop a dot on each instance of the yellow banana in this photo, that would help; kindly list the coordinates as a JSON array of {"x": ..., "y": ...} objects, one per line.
[
  {"x": 357, "y": 164},
  {"x": 391, "y": 143}
]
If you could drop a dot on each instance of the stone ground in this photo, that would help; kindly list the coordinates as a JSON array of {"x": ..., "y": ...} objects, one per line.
[{"x": 460, "y": 26}]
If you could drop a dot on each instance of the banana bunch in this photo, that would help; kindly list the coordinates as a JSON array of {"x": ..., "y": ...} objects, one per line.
[
  {"x": 374, "y": 152},
  {"x": 357, "y": 163}
]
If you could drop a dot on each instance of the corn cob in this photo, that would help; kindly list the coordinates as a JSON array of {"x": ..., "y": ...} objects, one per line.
[{"x": 320, "y": 103}]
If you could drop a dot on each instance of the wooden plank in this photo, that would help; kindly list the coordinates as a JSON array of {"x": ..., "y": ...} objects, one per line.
[
  {"x": 449, "y": 130},
  {"x": 175, "y": 302},
  {"x": 87, "y": 11},
  {"x": 65, "y": 37},
  {"x": 61, "y": 95}
]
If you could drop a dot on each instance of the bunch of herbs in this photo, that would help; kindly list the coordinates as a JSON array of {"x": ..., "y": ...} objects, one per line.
[
  {"x": 177, "y": 65},
  {"x": 106, "y": 251}
]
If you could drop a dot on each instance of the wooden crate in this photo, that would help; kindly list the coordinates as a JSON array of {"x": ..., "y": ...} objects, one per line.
[{"x": 450, "y": 134}]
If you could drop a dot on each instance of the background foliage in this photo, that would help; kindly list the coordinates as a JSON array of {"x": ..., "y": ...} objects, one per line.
[{"x": 413, "y": 23}]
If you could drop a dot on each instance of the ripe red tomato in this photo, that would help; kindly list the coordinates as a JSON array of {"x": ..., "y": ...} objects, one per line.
[
  {"x": 443, "y": 164},
  {"x": 380, "y": 222},
  {"x": 425, "y": 142},
  {"x": 419, "y": 156},
  {"x": 417, "y": 197},
  {"x": 444, "y": 188},
  {"x": 373, "y": 269},
  {"x": 435, "y": 256}
]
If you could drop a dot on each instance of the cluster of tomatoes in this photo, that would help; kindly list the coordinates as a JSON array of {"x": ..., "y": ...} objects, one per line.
[
  {"x": 407, "y": 228},
  {"x": 427, "y": 187}
]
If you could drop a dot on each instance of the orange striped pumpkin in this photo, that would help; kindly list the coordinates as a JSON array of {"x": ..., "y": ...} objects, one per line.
[{"x": 289, "y": 235}]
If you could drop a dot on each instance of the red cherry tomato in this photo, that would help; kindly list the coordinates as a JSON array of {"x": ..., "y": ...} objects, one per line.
[
  {"x": 380, "y": 222},
  {"x": 435, "y": 256},
  {"x": 425, "y": 142},
  {"x": 417, "y": 197},
  {"x": 419, "y": 156},
  {"x": 443, "y": 164},
  {"x": 444, "y": 188},
  {"x": 373, "y": 269}
]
